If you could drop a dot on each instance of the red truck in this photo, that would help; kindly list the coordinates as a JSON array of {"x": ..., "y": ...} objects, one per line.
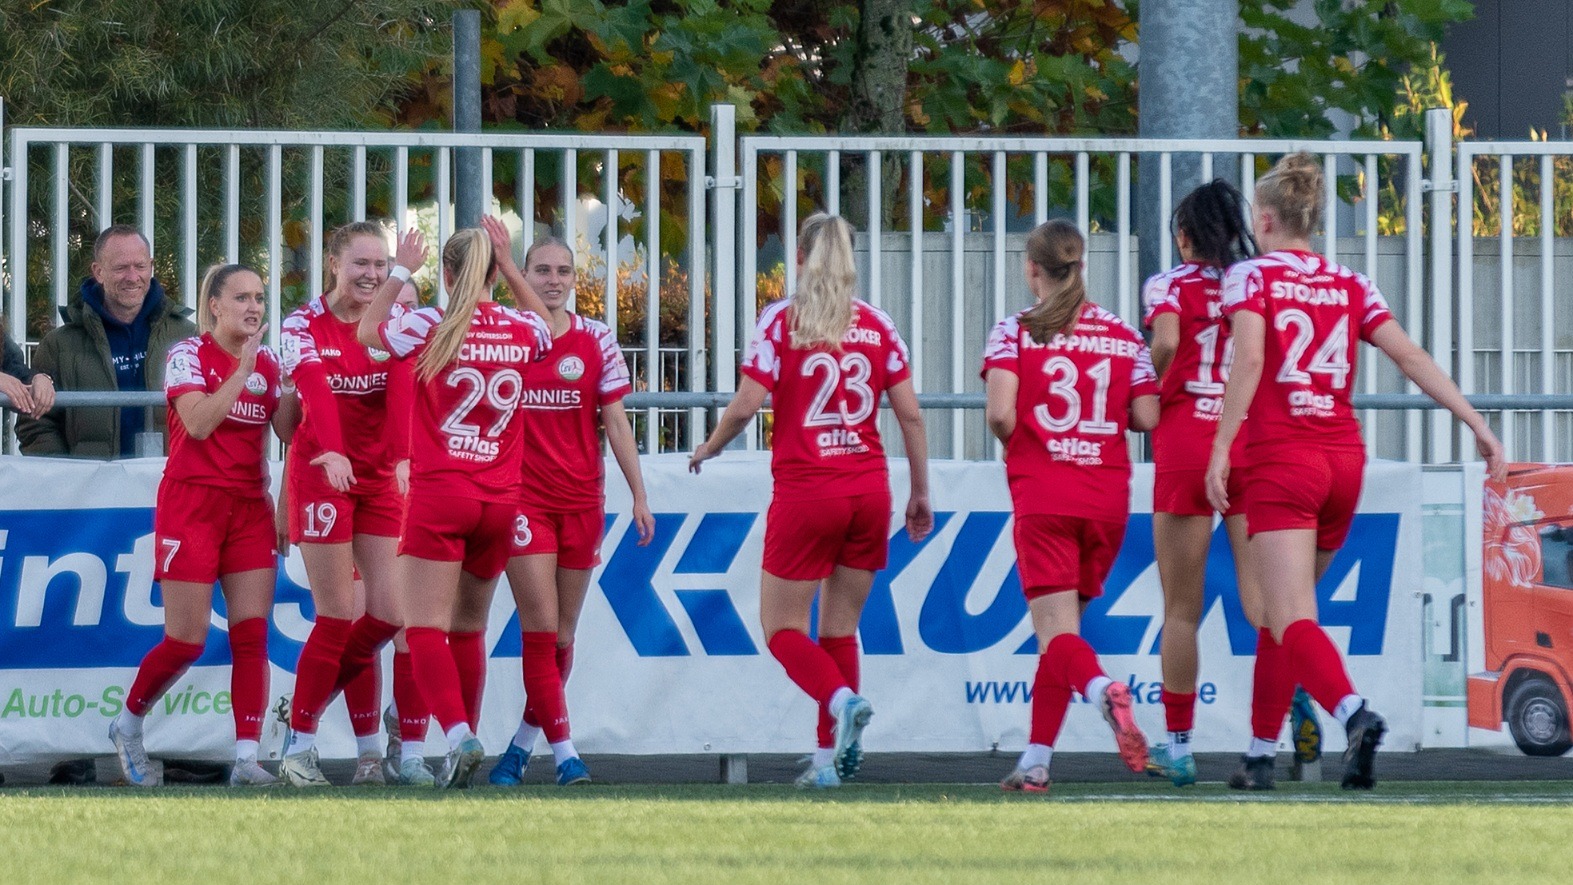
[{"x": 1527, "y": 597}]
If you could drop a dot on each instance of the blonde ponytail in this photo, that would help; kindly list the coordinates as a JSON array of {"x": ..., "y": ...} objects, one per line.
[
  {"x": 1293, "y": 190},
  {"x": 1056, "y": 248},
  {"x": 467, "y": 258},
  {"x": 822, "y": 304}
]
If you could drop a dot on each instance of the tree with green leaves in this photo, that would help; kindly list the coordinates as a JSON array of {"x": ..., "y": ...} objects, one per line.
[{"x": 240, "y": 64}]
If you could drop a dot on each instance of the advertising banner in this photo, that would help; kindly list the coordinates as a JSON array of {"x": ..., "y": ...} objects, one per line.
[{"x": 670, "y": 657}]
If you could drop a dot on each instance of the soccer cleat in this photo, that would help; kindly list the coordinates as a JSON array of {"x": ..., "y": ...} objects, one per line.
[
  {"x": 1255, "y": 773},
  {"x": 855, "y": 714},
  {"x": 415, "y": 773},
  {"x": 302, "y": 769},
  {"x": 851, "y": 762},
  {"x": 1365, "y": 729},
  {"x": 510, "y": 767},
  {"x": 368, "y": 770},
  {"x": 572, "y": 771},
  {"x": 823, "y": 777},
  {"x": 1027, "y": 780},
  {"x": 133, "y": 757},
  {"x": 1117, "y": 712},
  {"x": 1180, "y": 771},
  {"x": 247, "y": 773},
  {"x": 461, "y": 763},
  {"x": 390, "y": 762},
  {"x": 1305, "y": 728}
]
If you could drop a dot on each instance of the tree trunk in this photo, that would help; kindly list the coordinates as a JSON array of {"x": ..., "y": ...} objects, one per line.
[{"x": 879, "y": 97}]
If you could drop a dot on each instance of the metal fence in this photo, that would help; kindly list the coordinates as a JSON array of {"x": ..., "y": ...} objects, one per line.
[
  {"x": 270, "y": 198},
  {"x": 681, "y": 237},
  {"x": 951, "y": 263}
]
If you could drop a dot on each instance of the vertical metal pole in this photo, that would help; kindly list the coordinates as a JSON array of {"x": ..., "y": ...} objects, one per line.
[
  {"x": 60, "y": 227},
  {"x": 725, "y": 247},
  {"x": 232, "y": 203},
  {"x": 1548, "y": 352},
  {"x": 467, "y": 113},
  {"x": 653, "y": 375},
  {"x": 609, "y": 185},
  {"x": 188, "y": 233},
  {"x": 106, "y": 185},
  {"x": 698, "y": 372},
  {"x": 1439, "y": 148},
  {"x": 16, "y": 310}
]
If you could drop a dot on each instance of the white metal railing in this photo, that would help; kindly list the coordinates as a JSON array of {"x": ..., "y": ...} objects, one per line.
[
  {"x": 943, "y": 257},
  {"x": 1512, "y": 312},
  {"x": 1099, "y": 172},
  {"x": 289, "y": 180}
]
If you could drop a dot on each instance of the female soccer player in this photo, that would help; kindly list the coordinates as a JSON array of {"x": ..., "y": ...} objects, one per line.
[
  {"x": 825, "y": 357},
  {"x": 1065, "y": 379},
  {"x": 465, "y": 460},
  {"x": 570, "y": 396},
  {"x": 213, "y": 520},
  {"x": 344, "y": 510},
  {"x": 1299, "y": 317},
  {"x": 1191, "y": 350},
  {"x": 407, "y": 718}
]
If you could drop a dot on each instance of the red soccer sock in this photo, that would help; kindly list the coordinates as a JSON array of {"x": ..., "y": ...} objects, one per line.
[
  {"x": 437, "y": 675},
  {"x": 1272, "y": 691},
  {"x": 807, "y": 664},
  {"x": 366, "y": 639},
  {"x": 316, "y": 672},
  {"x": 1179, "y": 710},
  {"x": 158, "y": 671},
  {"x": 1314, "y": 663},
  {"x": 248, "y": 676},
  {"x": 469, "y": 655},
  {"x": 543, "y": 685},
  {"x": 363, "y": 697},
  {"x": 413, "y": 712},
  {"x": 564, "y": 666},
  {"x": 1051, "y": 697},
  {"x": 844, "y": 651},
  {"x": 1074, "y": 660}
]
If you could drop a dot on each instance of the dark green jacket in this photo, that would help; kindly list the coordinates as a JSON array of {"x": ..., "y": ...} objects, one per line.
[{"x": 76, "y": 356}]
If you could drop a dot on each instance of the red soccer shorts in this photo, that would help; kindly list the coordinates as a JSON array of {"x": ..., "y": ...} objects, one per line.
[
  {"x": 201, "y": 532},
  {"x": 574, "y": 537},
  {"x": 1059, "y": 553},
  {"x": 441, "y": 528},
  {"x": 1184, "y": 492},
  {"x": 320, "y": 514},
  {"x": 806, "y": 540},
  {"x": 1311, "y": 488}
]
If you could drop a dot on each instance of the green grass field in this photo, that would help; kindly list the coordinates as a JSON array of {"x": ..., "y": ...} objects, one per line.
[{"x": 1131, "y": 832}]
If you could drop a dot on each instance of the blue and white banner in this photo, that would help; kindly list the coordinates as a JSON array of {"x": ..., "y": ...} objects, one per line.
[{"x": 670, "y": 658}]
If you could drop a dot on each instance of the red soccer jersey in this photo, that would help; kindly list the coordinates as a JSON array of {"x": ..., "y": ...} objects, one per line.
[
  {"x": 401, "y": 405},
  {"x": 316, "y": 347},
  {"x": 1191, "y": 391},
  {"x": 233, "y": 455},
  {"x": 1068, "y": 455},
  {"x": 825, "y": 439},
  {"x": 465, "y": 439},
  {"x": 1316, "y": 313},
  {"x": 561, "y": 415}
]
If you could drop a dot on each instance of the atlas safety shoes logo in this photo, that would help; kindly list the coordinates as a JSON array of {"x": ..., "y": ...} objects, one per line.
[{"x": 77, "y": 590}]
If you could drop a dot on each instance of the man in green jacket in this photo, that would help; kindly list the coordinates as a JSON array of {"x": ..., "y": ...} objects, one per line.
[{"x": 116, "y": 336}]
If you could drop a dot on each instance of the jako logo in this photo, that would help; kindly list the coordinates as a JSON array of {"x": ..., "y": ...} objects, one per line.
[{"x": 78, "y": 591}]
